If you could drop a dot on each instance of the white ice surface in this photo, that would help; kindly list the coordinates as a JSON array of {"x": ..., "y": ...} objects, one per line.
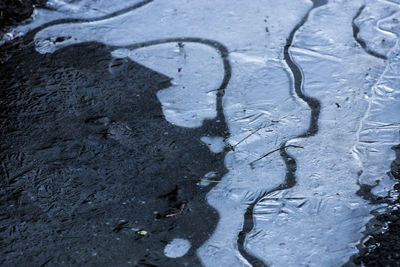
[
  {"x": 319, "y": 220},
  {"x": 178, "y": 247},
  {"x": 197, "y": 72},
  {"x": 379, "y": 25},
  {"x": 215, "y": 143},
  {"x": 324, "y": 215}
]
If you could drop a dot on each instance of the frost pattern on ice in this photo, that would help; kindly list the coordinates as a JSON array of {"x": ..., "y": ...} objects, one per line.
[
  {"x": 379, "y": 26},
  {"x": 319, "y": 220},
  {"x": 324, "y": 216},
  {"x": 379, "y": 127}
]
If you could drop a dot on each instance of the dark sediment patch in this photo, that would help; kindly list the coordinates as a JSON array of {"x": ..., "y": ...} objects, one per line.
[
  {"x": 290, "y": 162},
  {"x": 13, "y": 12},
  {"x": 380, "y": 245},
  {"x": 88, "y": 160}
]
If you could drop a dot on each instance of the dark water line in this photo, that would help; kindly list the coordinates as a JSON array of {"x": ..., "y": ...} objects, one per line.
[
  {"x": 360, "y": 41},
  {"x": 290, "y": 162},
  {"x": 248, "y": 223}
]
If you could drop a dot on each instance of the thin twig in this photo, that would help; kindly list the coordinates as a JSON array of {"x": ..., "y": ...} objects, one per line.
[
  {"x": 182, "y": 207},
  {"x": 252, "y": 133},
  {"x": 209, "y": 181},
  {"x": 238, "y": 143},
  {"x": 275, "y": 150}
]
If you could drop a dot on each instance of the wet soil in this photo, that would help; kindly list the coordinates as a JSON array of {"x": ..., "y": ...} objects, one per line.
[
  {"x": 88, "y": 160},
  {"x": 382, "y": 246},
  {"x": 13, "y": 12}
]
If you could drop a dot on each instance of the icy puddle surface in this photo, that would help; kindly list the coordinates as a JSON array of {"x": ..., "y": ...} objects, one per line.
[{"x": 332, "y": 102}]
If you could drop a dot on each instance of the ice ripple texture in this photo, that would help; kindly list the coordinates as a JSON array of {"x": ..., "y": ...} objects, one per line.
[{"x": 319, "y": 221}]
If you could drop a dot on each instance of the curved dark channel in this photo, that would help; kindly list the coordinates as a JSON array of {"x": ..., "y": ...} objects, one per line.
[
  {"x": 29, "y": 36},
  {"x": 360, "y": 41},
  {"x": 291, "y": 166},
  {"x": 82, "y": 20}
]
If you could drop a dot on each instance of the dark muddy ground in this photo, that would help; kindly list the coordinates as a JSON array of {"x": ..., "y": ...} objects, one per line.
[
  {"x": 88, "y": 160},
  {"x": 13, "y": 12},
  {"x": 383, "y": 249}
]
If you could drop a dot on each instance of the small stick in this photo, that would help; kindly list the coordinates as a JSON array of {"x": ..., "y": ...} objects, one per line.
[
  {"x": 176, "y": 213},
  {"x": 269, "y": 153},
  {"x": 210, "y": 181},
  {"x": 238, "y": 143}
]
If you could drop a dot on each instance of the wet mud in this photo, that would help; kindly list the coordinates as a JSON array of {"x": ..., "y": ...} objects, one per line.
[
  {"x": 91, "y": 172},
  {"x": 13, "y": 12},
  {"x": 379, "y": 247}
]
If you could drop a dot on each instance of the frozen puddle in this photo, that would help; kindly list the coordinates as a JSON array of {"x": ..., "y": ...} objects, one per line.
[{"x": 303, "y": 201}]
